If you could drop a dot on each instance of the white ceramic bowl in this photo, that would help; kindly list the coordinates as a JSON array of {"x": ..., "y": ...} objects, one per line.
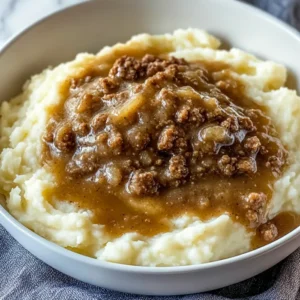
[{"x": 88, "y": 27}]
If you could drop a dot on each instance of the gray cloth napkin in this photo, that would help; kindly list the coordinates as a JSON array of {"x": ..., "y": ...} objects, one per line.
[{"x": 23, "y": 277}]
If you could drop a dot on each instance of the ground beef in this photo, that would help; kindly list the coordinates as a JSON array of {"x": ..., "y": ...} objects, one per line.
[
  {"x": 138, "y": 138},
  {"x": 275, "y": 163},
  {"x": 98, "y": 98},
  {"x": 197, "y": 115},
  {"x": 177, "y": 167},
  {"x": 226, "y": 165},
  {"x": 98, "y": 121},
  {"x": 65, "y": 138},
  {"x": 168, "y": 130},
  {"x": 182, "y": 114},
  {"x": 247, "y": 124},
  {"x": 252, "y": 144},
  {"x": 255, "y": 207},
  {"x": 129, "y": 68},
  {"x": 184, "y": 122},
  {"x": 81, "y": 128},
  {"x": 126, "y": 68},
  {"x": 246, "y": 166},
  {"x": 108, "y": 84},
  {"x": 170, "y": 137},
  {"x": 87, "y": 102},
  {"x": 143, "y": 183},
  {"x": 231, "y": 123},
  {"x": 268, "y": 232},
  {"x": 115, "y": 139}
]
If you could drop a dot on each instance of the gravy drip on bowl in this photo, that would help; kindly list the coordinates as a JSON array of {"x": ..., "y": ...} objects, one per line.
[{"x": 153, "y": 139}]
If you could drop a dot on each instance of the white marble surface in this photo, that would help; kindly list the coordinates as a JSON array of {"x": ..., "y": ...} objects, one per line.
[{"x": 15, "y": 15}]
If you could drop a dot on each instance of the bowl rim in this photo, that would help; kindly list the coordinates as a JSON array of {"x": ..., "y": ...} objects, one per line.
[{"x": 59, "y": 250}]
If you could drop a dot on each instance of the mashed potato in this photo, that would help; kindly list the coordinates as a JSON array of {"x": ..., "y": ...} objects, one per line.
[{"x": 190, "y": 240}]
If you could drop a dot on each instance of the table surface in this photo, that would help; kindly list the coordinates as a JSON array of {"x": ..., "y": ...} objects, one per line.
[{"x": 18, "y": 14}]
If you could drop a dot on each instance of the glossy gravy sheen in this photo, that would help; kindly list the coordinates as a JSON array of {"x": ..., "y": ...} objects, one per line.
[{"x": 152, "y": 139}]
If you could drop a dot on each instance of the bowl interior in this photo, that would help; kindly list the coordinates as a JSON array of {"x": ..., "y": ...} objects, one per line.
[{"x": 90, "y": 26}]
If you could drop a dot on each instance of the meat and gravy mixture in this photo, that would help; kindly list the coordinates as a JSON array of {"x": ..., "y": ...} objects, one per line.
[
  {"x": 162, "y": 151},
  {"x": 157, "y": 138}
]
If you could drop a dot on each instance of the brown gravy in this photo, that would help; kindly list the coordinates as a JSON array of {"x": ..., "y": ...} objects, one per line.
[{"x": 154, "y": 139}]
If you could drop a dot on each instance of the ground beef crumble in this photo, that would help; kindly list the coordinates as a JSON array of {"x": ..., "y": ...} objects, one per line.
[
  {"x": 268, "y": 231},
  {"x": 143, "y": 183}
]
